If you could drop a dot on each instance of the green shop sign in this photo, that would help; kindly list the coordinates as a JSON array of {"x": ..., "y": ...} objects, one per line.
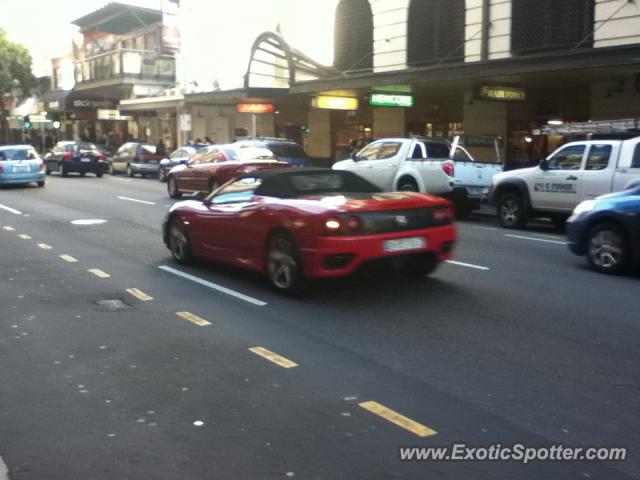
[{"x": 391, "y": 100}]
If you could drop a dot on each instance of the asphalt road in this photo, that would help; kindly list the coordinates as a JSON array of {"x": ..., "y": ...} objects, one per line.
[{"x": 517, "y": 343}]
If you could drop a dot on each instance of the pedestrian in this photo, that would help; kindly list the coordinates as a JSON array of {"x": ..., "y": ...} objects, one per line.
[{"x": 161, "y": 149}]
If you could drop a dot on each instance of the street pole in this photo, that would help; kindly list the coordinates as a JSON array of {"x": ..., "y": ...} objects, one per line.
[
  {"x": 254, "y": 125},
  {"x": 42, "y": 147}
]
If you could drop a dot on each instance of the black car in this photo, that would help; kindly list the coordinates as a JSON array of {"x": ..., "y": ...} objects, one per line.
[
  {"x": 78, "y": 157},
  {"x": 284, "y": 150}
]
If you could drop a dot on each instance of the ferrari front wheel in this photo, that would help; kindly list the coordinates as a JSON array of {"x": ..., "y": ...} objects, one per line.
[
  {"x": 179, "y": 243},
  {"x": 284, "y": 266}
]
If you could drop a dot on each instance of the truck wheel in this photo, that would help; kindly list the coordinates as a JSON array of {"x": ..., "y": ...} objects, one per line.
[
  {"x": 607, "y": 249},
  {"x": 408, "y": 185},
  {"x": 511, "y": 212}
]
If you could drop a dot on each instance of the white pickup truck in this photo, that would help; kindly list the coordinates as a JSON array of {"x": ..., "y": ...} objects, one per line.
[
  {"x": 424, "y": 165},
  {"x": 575, "y": 172}
]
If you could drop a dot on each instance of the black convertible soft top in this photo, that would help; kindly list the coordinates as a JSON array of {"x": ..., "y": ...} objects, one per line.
[{"x": 296, "y": 182}]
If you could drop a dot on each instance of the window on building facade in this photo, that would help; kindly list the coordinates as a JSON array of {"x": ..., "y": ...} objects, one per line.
[
  {"x": 353, "y": 40},
  {"x": 548, "y": 25},
  {"x": 435, "y": 32}
]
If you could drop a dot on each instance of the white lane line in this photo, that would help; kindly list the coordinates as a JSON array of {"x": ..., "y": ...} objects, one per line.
[
  {"x": 4, "y": 471},
  {"x": 9, "y": 209},
  {"x": 556, "y": 242},
  {"x": 468, "y": 265},
  {"x": 485, "y": 228},
  {"x": 136, "y": 200},
  {"x": 213, "y": 286}
]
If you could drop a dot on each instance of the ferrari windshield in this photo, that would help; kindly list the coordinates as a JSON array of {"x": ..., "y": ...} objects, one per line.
[{"x": 330, "y": 182}]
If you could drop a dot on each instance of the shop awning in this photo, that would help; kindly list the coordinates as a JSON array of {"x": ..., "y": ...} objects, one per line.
[
  {"x": 577, "y": 63},
  {"x": 118, "y": 18}
]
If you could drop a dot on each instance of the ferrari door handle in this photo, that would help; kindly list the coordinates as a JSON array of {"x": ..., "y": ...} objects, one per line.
[{"x": 572, "y": 177}]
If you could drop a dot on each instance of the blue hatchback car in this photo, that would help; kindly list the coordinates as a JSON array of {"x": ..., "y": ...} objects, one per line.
[
  {"x": 20, "y": 164},
  {"x": 607, "y": 230}
]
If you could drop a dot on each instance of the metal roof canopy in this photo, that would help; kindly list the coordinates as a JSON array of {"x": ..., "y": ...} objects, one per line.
[{"x": 118, "y": 18}]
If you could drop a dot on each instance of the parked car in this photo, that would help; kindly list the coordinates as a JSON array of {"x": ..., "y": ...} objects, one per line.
[
  {"x": 472, "y": 179},
  {"x": 108, "y": 157},
  {"x": 285, "y": 150},
  {"x": 607, "y": 230},
  {"x": 21, "y": 164},
  {"x": 179, "y": 157},
  {"x": 75, "y": 157},
  {"x": 405, "y": 164},
  {"x": 136, "y": 158},
  {"x": 575, "y": 172},
  {"x": 206, "y": 171},
  {"x": 297, "y": 224}
]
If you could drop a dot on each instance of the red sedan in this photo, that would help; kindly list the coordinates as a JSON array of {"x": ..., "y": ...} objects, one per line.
[
  {"x": 297, "y": 224},
  {"x": 206, "y": 171}
]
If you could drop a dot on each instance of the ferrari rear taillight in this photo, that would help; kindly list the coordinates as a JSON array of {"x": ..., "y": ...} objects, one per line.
[
  {"x": 449, "y": 169},
  {"x": 443, "y": 214},
  {"x": 342, "y": 225}
]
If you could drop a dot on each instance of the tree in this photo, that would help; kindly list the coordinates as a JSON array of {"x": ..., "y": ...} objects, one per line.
[{"x": 15, "y": 67}]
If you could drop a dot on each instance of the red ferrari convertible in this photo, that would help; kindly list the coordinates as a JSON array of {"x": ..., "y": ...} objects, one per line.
[{"x": 296, "y": 224}]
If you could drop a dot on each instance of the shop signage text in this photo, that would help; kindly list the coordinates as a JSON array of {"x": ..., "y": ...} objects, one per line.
[
  {"x": 335, "y": 103},
  {"x": 104, "y": 114},
  {"x": 255, "y": 108},
  {"x": 92, "y": 103},
  {"x": 506, "y": 94},
  {"x": 391, "y": 100}
]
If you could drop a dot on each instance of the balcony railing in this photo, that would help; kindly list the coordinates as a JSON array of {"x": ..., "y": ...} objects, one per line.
[{"x": 132, "y": 65}]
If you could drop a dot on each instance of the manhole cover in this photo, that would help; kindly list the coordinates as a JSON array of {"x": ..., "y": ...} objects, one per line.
[
  {"x": 112, "y": 305},
  {"x": 89, "y": 221}
]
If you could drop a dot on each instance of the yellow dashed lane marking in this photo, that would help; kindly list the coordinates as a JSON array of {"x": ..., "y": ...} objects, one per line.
[
  {"x": 24, "y": 236},
  {"x": 68, "y": 258},
  {"x": 273, "y": 357},
  {"x": 201, "y": 322},
  {"x": 44, "y": 246},
  {"x": 98, "y": 273},
  {"x": 8, "y": 228},
  {"x": 139, "y": 294},
  {"x": 399, "y": 420}
]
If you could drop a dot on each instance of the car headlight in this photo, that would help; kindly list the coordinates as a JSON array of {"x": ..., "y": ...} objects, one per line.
[{"x": 584, "y": 207}]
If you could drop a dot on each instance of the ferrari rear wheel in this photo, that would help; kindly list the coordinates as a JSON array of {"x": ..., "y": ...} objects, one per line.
[
  {"x": 284, "y": 265},
  {"x": 179, "y": 243}
]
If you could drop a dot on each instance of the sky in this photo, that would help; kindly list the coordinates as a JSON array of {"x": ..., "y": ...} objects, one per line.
[{"x": 216, "y": 34}]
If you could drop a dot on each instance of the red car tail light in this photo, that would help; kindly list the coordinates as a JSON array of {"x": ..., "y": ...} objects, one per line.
[
  {"x": 101, "y": 156},
  {"x": 67, "y": 156},
  {"x": 333, "y": 226},
  {"x": 342, "y": 225},
  {"x": 449, "y": 169},
  {"x": 443, "y": 214}
]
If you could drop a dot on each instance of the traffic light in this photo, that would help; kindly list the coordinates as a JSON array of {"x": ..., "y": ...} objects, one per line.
[{"x": 27, "y": 122}]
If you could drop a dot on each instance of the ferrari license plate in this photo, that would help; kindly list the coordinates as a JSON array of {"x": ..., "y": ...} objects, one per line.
[
  {"x": 402, "y": 244},
  {"x": 85, "y": 159}
]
